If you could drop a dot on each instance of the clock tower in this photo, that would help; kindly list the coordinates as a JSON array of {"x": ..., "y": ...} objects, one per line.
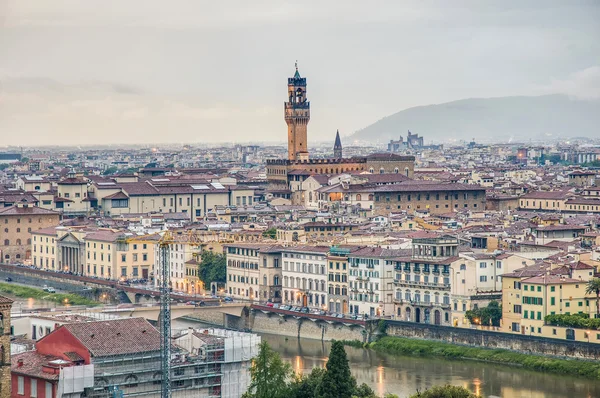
[{"x": 297, "y": 116}]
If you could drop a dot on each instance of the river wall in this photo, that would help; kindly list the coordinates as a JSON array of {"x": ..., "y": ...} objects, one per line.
[{"x": 489, "y": 339}]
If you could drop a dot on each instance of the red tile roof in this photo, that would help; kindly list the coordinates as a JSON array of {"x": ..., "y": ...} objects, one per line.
[
  {"x": 16, "y": 210},
  {"x": 116, "y": 337}
]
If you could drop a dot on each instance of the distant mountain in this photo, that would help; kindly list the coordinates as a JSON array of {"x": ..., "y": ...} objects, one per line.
[{"x": 503, "y": 118}]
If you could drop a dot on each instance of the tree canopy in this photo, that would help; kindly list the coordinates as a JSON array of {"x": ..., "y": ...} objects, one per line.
[
  {"x": 212, "y": 267},
  {"x": 487, "y": 316}
]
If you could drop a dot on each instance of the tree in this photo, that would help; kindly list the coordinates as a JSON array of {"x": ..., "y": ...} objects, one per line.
[
  {"x": 446, "y": 391},
  {"x": 110, "y": 170},
  {"x": 487, "y": 316},
  {"x": 364, "y": 391},
  {"x": 337, "y": 381},
  {"x": 212, "y": 268},
  {"x": 306, "y": 386},
  {"x": 593, "y": 286},
  {"x": 270, "y": 233},
  {"x": 269, "y": 375}
]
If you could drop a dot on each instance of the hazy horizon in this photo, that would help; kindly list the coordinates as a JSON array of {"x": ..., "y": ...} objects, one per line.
[{"x": 74, "y": 73}]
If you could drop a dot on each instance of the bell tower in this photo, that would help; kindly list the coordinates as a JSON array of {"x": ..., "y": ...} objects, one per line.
[{"x": 297, "y": 116}]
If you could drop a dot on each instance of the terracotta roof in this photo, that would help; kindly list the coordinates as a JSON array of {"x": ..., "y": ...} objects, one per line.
[
  {"x": 138, "y": 188},
  {"x": 30, "y": 210},
  {"x": 425, "y": 186},
  {"x": 103, "y": 235},
  {"x": 32, "y": 365},
  {"x": 546, "y": 195},
  {"x": 117, "y": 195},
  {"x": 72, "y": 181},
  {"x": 5, "y": 300},
  {"x": 550, "y": 280},
  {"x": 116, "y": 337}
]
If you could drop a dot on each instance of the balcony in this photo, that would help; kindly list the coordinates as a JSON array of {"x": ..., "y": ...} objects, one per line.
[{"x": 363, "y": 278}]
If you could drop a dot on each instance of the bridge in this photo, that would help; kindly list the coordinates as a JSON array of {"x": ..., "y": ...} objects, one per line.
[{"x": 134, "y": 294}]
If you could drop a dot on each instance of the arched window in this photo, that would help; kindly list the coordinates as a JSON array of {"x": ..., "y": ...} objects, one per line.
[
  {"x": 276, "y": 280},
  {"x": 381, "y": 170},
  {"x": 6, "y": 242},
  {"x": 406, "y": 171},
  {"x": 18, "y": 242},
  {"x": 358, "y": 196},
  {"x": 396, "y": 170},
  {"x": 264, "y": 280},
  {"x": 371, "y": 170}
]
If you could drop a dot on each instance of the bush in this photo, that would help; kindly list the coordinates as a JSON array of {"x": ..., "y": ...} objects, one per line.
[
  {"x": 446, "y": 391},
  {"x": 577, "y": 321},
  {"x": 404, "y": 346}
]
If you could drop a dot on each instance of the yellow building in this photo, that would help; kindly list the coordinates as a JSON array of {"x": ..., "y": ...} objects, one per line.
[
  {"x": 528, "y": 299},
  {"x": 545, "y": 200},
  {"x": 43, "y": 248}
]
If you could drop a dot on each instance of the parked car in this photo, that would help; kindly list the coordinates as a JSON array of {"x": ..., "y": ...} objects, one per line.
[
  {"x": 270, "y": 304},
  {"x": 340, "y": 316},
  {"x": 8, "y": 279},
  {"x": 304, "y": 310},
  {"x": 284, "y": 307},
  {"x": 276, "y": 305},
  {"x": 228, "y": 300}
]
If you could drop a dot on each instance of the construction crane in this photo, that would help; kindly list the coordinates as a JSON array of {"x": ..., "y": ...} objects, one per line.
[
  {"x": 191, "y": 237},
  {"x": 164, "y": 248}
]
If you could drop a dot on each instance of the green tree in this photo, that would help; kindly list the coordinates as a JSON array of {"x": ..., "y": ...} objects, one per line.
[
  {"x": 306, "y": 386},
  {"x": 337, "y": 381},
  {"x": 212, "y": 268},
  {"x": 490, "y": 315},
  {"x": 110, "y": 170},
  {"x": 593, "y": 286},
  {"x": 446, "y": 391},
  {"x": 364, "y": 391},
  {"x": 269, "y": 375},
  {"x": 270, "y": 233}
]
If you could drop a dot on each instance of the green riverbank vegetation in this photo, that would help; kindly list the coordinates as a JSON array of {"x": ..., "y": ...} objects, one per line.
[
  {"x": 38, "y": 294},
  {"x": 405, "y": 346}
]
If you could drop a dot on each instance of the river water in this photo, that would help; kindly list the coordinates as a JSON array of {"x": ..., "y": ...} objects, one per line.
[{"x": 405, "y": 375}]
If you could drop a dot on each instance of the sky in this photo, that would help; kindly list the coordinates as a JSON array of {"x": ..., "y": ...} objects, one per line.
[{"x": 194, "y": 71}]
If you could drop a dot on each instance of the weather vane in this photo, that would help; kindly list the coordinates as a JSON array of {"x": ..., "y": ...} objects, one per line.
[{"x": 296, "y": 64}]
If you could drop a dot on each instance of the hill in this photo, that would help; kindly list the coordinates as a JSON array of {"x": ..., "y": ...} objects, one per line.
[{"x": 503, "y": 118}]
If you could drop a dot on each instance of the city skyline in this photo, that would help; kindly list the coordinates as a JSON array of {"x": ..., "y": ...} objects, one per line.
[{"x": 72, "y": 74}]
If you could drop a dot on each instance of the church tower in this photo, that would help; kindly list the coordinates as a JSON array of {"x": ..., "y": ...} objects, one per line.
[
  {"x": 297, "y": 116},
  {"x": 337, "y": 147}
]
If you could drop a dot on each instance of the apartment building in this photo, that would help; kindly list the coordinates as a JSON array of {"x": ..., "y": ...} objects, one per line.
[
  {"x": 270, "y": 274},
  {"x": 371, "y": 281},
  {"x": 243, "y": 274},
  {"x": 545, "y": 200},
  {"x": 337, "y": 279},
  {"x": 304, "y": 275},
  {"x": 532, "y": 293},
  {"x": 477, "y": 280},
  {"x": 43, "y": 248},
  {"x": 422, "y": 280}
]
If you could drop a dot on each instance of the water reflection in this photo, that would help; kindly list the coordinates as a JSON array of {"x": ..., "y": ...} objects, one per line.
[{"x": 406, "y": 375}]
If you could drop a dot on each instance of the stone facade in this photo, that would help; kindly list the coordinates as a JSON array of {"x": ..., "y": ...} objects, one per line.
[
  {"x": 436, "y": 198},
  {"x": 5, "y": 377},
  {"x": 16, "y": 224}
]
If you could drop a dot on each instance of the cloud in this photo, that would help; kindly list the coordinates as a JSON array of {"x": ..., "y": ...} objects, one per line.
[{"x": 584, "y": 84}]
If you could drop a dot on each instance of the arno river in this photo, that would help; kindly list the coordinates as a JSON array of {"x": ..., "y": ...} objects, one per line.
[{"x": 404, "y": 375}]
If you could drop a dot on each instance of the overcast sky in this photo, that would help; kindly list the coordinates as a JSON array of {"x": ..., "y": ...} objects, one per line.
[{"x": 110, "y": 71}]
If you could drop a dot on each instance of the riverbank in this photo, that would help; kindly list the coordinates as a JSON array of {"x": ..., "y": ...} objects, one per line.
[
  {"x": 39, "y": 294},
  {"x": 412, "y": 347}
]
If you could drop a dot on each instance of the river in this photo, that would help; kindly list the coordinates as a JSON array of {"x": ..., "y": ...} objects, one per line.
[{"x": 405, "y": 375}]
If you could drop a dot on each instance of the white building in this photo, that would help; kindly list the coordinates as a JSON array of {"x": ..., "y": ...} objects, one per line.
[
  {"x": 304, "y": 275},
  {"x": 371, "y": 279}
]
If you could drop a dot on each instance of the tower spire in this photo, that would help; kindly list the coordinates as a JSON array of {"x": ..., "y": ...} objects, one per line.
[{"x": 337, "y": 146}]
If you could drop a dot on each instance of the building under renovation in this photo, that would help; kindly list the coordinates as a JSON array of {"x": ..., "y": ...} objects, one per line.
[{"x": 121, "y": 358}]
